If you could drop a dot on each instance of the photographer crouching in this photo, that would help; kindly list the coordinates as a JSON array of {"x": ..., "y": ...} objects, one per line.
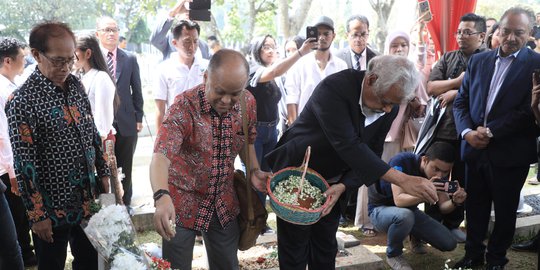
[{"x": 395, "y": 212}]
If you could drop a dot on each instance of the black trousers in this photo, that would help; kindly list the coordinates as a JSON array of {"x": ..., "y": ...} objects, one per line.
[
  {"x": 453, "y": 219},
  {"x": 124, "y": 149},
  {"x": 18, "y": 211},
  {"x": 487, "y": 183},
  {"x": 313, "y": 245},
  {"x": 52, "y": 256}
]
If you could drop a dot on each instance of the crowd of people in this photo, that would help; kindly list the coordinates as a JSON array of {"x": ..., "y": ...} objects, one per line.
[{"x": 360, "y": 111}]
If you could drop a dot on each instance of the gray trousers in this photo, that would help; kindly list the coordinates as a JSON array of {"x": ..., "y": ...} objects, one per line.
[{"x": 221, "y": 246}]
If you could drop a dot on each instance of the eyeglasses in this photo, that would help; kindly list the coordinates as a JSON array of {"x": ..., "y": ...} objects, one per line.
[
  {"x": 506, "y": 32},
  {"x": 465, "y": 33},
  {"x": 268, "y": 48},
  {"x": 61, "y": 62},
  {"x": 363, "y": 36},
  {"x": 109, "y": 30}
]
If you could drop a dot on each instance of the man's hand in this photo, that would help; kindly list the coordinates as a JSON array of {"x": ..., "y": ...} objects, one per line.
[
  {"x": 43, "y": 229},
  {"x": 448, "y": 97},
  {"x": 14, "y": 186},
  {"x": 459, "y": 196},
  {"x": 164, "y": 217},
  {"x": 478, "y": 138},
  {"x": 332, "y": 195},
  {"x": 419, "y": 187},
  {"x": 180, "y": 9},
  {"x": 308, "y": 46},
  {"x": 139, "y": 126},
  {"x": 259, "y": 178}
]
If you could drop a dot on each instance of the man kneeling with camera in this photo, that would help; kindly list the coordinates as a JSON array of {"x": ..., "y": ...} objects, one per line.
[{"x": 395, "y": 212}]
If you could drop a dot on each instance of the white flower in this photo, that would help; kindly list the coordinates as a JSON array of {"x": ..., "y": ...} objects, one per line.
[
  {"x": 285, "y": 192},
  {"x": 126, "y": 261},
  {"x": 108, "y": 227}
]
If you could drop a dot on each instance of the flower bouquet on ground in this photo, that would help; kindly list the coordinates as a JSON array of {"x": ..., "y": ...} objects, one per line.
[{"x": 113, "y": 236}]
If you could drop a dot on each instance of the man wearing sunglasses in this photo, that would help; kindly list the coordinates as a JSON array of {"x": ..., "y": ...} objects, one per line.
[{"x": 57, "y": 149}]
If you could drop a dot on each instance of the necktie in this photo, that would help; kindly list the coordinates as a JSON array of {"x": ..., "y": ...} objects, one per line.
[
  {"x": 357, "y": 58},
  {"x": 110, "y": 64}
]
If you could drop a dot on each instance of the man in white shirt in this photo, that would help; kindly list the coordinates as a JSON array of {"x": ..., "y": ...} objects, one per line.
[
  {"x": 183, "y": 71},
  {"x": 309, "y": 71},
  {"x": 12, "y": 64}
]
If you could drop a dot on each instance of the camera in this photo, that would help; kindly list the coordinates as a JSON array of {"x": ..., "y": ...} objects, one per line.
[
  {"x": 449, "y": 186},
  {"x": 425, "y": 11},
  {"x": 199, "y": 10},
  {"x": 312, "y": 32},
  {"x": 536, "y": 74}
]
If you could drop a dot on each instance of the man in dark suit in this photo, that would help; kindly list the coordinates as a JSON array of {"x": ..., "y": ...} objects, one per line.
[
  {"x": 493, "y": 116},
  {"x": 162, "y": 38},
  {"x": 128, "y": 117},
  {"x": 345, "y": 122},
  {"x": 357, "y": 55}
]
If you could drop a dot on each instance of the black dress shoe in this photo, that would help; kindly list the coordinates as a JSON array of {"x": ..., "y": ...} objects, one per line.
[
  {"x": 30, "y": 260},
  {"x": 531, "y": 245},
  {"x": 467, "y": 262},
  {"x": 494, "y": 267}
]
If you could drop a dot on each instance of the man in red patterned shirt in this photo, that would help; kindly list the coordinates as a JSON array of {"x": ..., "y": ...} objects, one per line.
[{"x": 192, "y": 166}]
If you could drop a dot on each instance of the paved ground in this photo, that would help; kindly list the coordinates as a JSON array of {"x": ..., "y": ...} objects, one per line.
[{"x": 142, "y": 191}]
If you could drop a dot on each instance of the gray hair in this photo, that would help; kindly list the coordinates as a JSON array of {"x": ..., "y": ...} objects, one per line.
[
  {"x": 391, "y": 70},
  {"x": 521, "y": 10},
  {"x": 360, "y": 18}
]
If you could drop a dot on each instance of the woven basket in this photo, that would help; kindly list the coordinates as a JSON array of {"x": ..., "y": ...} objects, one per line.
[{"x": 294, "y": 213}]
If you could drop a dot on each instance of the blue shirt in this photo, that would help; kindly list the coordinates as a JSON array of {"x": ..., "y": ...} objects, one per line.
[{"x": 380, "y": 193}]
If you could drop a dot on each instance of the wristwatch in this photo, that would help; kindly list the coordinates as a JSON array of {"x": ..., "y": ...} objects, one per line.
[{"x": 158, "y": 194}]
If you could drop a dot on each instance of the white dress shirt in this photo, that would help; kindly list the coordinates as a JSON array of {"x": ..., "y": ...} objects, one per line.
[
  {"x": 175, "y": 77},
  {"x": 100, "y": 90},
  {"x": 362, "y": 61},
  {"x": 304, "y": 76},
  {"x": 6, "y": 154}
]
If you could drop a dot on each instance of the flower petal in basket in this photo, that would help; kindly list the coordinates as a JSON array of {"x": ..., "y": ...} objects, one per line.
[{"x": 295, "y": 213}]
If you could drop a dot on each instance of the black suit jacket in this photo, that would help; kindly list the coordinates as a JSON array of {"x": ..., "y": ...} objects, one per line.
[
  {"x": 345, "y": 54},
  {"x": 333, "y": 125},
  {"x": 128, "y": 83}
]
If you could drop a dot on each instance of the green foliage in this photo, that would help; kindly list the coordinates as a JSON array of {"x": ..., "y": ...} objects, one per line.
[
  {"x": 233, "y": 28},
  {"x": 265, "y": 23},
  {"x": 19, "y": 16},
  {"x": 140, "y": 32}
]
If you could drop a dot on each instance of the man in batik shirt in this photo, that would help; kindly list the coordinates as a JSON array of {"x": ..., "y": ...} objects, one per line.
[
  {"x": 56, "y": 149},
  {"x": 192, "y": 166}
]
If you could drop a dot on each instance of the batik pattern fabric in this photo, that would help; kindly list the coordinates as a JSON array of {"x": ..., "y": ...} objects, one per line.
[
  {"x": 56, "y": 148},
  {"x": 201, "y": 146}
]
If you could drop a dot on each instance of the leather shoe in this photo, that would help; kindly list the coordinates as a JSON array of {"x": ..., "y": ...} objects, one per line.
[
  {"x": 467, "y": 263},
  {"x": 531, "y": 245},
  {"x": 494, "y": 267}
]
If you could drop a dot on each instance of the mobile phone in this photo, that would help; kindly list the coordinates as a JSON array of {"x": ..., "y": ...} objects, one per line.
[
  {"x": 536, "y": 74},
  {"x": 424, "y": 8},
  {"x": 312, "y": 32},
  {"x": 200, "y": 4},
  {"x": 200, "y": 15},
  {"x": 449, "y": 186},
  {"x": 452, "y": 186}
]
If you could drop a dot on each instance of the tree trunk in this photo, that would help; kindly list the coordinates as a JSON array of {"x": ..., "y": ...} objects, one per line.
[
  {"x": 383, "y": 9},
  {"x": 291, "y": 25}
]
